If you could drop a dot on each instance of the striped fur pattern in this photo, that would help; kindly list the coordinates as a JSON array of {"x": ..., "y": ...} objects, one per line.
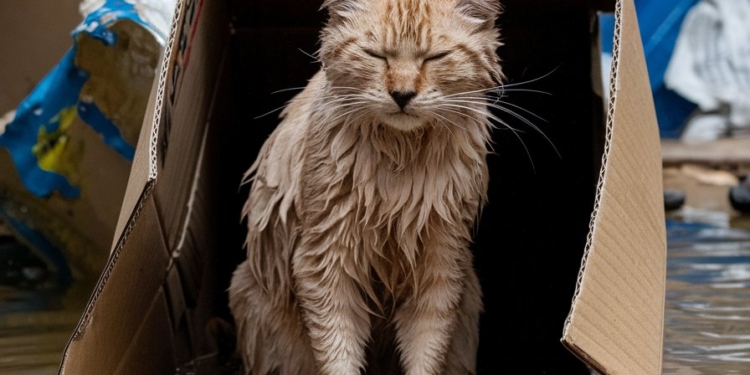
[{"x": 361, "y": 209}]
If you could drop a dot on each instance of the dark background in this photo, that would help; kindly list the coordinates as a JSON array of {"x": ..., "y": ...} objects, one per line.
[{"x": 531, "y": 236}]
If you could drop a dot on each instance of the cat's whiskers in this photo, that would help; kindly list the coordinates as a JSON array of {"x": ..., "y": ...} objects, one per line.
[
  {"x": 495, "y": 102},
  {"x": 332, "y": 88},
  {"x": 502, "y": 93},
  {"x": 533, "y": 79},
  {"x": 343, "y": 105},
  {"x": 354, "y": 120},
  {"x": 497, "y": 90},
  {"x": 271, "y": 111},
  {"x": 523, "y": 119},
  {"x": 347, "y": 88},
  {"x": 456, "y": 102},
  {"x": 332, "y": 96},
  {"x": 480, "y": 112},
  {"x": 288, "y": 89},
  {"x": 511, "y": 87},
  {"x": 501, "y": 108},
  {"x": 338, "y": 109},
  {"x": 441, "y": 120},
  {"x": 463, "y": 115},
  {"x": 316, "y": 59},
  {"x": 479, "y": 91},
  {"x": 489, "y": 117},
  {"x": 335, "y": 98},
  {"x": 344, "y": 99},
  {"x": 520, "y": 140}
]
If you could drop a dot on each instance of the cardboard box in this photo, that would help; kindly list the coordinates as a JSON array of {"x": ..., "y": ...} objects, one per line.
[{"x": 596, "y": 209}]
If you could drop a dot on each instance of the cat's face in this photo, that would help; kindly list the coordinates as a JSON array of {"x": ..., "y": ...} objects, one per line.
[{"x": 410, "y": 62}]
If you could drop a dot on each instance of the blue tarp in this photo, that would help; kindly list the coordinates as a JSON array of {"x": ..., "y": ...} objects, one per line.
[
  {"x": 36, "y": 136},
  {"x": 52, "y": 103},
  {"x": 659, "y": 22}
]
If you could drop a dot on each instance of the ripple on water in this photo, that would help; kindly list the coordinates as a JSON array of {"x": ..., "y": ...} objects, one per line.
[{"x": 707, "y": 327}]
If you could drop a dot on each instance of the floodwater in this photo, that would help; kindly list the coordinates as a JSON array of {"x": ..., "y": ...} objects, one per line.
[
  {"x": 707, "y": 322},
  {"x": 37, "y": 312},
  {"x": 707, "y": 327},
  {"x": 32, "y": 337}
]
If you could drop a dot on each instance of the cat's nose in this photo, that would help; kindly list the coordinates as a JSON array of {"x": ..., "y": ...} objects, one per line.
[{"x": 402, "y": 98}]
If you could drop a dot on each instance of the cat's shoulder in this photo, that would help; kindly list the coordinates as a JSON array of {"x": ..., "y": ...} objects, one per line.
[
  {"x": 279, "y": 162},
  {"x": 301, "y": 106}
]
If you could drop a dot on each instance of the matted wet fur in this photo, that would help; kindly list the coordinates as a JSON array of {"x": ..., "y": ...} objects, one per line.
[{"x": 364, "y": 198}]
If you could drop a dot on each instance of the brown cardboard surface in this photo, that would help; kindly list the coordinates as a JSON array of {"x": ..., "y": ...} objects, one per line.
[
  {"x": 147, "y": 348},
  {"x": 122, "y": 299},
  {"x": 164, "y": 271},
  {"x": 141, "y": 171},
  {"x": 184, "y": 123},
  {"x": 178, "y": 318},
  {"x": 616, "y": 322}
]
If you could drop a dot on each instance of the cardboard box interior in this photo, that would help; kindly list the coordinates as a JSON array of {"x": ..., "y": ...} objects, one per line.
[{"x": 179, "y": 235}]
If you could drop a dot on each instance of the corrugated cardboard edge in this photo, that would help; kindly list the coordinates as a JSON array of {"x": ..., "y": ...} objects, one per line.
[
  {"x": 589, "y": 333},
  {"x": 141, "y": 185}
]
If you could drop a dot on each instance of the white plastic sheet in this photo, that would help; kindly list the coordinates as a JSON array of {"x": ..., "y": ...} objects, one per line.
[{"x": 711, "y": 67}]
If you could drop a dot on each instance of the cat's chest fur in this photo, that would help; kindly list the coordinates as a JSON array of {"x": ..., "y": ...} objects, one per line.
[{"x": 380, "y": 197}]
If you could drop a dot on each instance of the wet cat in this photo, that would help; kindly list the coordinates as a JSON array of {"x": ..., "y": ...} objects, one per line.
[{"x": 363, "y": 199}]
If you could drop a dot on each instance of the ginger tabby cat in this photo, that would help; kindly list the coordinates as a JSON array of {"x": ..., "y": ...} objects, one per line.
[{"x": 364, "y": 198}]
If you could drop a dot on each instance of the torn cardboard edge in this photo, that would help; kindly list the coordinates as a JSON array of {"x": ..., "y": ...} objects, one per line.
[
  {"x": 597, "y": 337},
  {"x": 140, "y": 182},
  {"x": 603, "y": 171}
]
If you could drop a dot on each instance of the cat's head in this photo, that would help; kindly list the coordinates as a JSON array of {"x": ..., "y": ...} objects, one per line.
[{"x": 410, "y": 62}]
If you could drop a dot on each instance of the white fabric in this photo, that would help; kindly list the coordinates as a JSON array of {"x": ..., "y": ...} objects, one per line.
[
  {"x": 710, "y": 65},
  {"x": 156, "y": 13},
  {"x": 88, "y": 6},
  {"x": 704, "y": 128},
  {"x": 5, "y": 120}
]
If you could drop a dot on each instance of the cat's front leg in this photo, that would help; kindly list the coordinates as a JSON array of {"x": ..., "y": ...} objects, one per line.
[
  {"x": 426, "y": 322},
  {"x": 333, "y": 309}
]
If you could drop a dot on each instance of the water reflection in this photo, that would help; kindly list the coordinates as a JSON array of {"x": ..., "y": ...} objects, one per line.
[
  {"x": 37, "y": 311},
  {"x": 707, "y": 327}
]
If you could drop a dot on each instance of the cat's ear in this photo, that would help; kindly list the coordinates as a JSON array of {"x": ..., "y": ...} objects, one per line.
[
  {"x": 480, "y": 12},
  {"x": 328, "y": 3},
  {"x": 342, "y": 8}
]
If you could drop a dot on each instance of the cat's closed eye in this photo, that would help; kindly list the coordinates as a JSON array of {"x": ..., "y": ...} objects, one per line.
[
  {"x": 434, "y": 57},
  {"x": 374, "y": 54},
  {"x": 437, "y": 56}
]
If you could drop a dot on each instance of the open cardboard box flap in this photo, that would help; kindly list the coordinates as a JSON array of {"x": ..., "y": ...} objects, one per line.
[
  {"x": 616, "y": 321},
  {"x": 139, "y": 319},
  {"x": 155, "y": 298}
]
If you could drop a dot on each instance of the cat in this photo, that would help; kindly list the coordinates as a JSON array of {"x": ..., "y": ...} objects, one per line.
[{"x": 363, "y": 199}]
